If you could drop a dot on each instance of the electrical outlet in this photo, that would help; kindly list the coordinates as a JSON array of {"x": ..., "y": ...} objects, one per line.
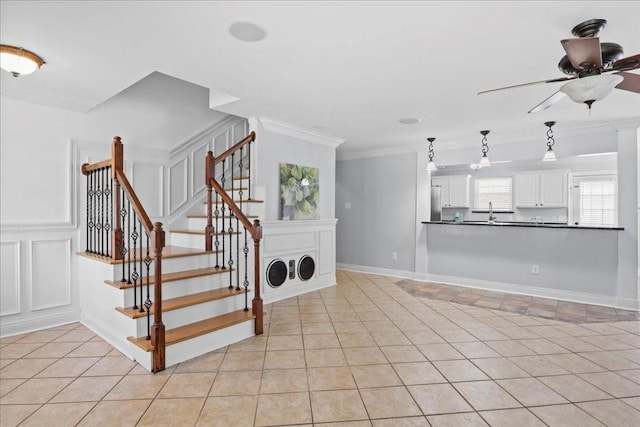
[
  {"x": 394, "y": 256},
  {"x": 535, "y": 269},
  {"x": 347, "y": 205}
]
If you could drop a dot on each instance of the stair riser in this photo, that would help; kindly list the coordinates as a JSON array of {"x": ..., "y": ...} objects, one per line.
[
  {"x": 194, "y": 313},
  {"x": 170, "y": 265},
  {"x": 196, "y": 241},
  {"x": 179, "y": 288},
  {"x": 247, "y": 208},
  {"x": 198, "y": 224}
]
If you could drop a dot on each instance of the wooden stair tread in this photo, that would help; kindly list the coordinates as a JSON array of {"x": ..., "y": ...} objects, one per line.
[
  {"x": 236, "y": 189},
  {"x": 192, "y": 330},
  {"x": 184, "y": 301},
  {"x": 167, "y": 252},
  {"x": 171, "y": 277},
  {"x": 204, "y": 216},
  {"x": 200, "y": 232},
  {"x": 238, "y": 201}
]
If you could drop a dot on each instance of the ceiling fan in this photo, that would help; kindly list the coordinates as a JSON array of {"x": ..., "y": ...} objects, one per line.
[{"x": 594, "y": 69}]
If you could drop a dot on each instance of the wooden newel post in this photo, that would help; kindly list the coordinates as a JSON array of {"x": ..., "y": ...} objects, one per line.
[
  {"x": 209, "y": 173},
  {"x": 157, "y": 329},
  {"x": 256, "y": 234},
  {"x": 117, "y": 158}
]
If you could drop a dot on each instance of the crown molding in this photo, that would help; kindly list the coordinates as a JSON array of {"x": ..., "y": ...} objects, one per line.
[
  {"x": 382, "y": 152},
  {"x": 288, "y": 129}
]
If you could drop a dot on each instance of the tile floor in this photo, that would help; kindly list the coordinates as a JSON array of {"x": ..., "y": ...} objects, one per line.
[{"x": 363, "y": 353}]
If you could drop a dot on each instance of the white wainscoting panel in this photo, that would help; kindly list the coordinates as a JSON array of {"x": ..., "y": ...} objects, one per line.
[
  {"x": 178, "y": 182},
  {"x": 197, "y": 170},
  {"x": 327, "y": 261},
  {"x": 221, "y": 142},
  {"x": 147, "y": 181},
  {"x": 288, "y": 242},
  {"x": 239, "y": 131},
  {"x": 10, "y": 285},
  {"x": 50, "y": 273}
]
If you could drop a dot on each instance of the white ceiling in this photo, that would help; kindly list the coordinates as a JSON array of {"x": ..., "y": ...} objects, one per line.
[{"x": 345, "y": 69}]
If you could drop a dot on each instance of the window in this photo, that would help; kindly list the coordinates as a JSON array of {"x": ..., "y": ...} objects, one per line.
[
  {"x": 498, "y": 191},
  {"x": 595, "y": 200}
]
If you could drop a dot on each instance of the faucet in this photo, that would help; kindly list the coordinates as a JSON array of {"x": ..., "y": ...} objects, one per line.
[{"x": 491, "y": 217}]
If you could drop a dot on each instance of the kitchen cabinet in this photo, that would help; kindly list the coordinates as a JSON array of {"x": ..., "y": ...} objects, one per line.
[
  {"x": 454, "y": 190},
  {"x": 541, "y": 189}
]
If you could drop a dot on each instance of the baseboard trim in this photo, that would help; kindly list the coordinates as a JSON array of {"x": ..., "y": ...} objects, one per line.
[
  {"x": 44, "y": 322},
  {"x": 563, "y": 295},
  {"x": 103, "y": 331}
]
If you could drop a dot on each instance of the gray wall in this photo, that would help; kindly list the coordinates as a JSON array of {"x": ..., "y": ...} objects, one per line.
[{"x": 381, "y": 191}]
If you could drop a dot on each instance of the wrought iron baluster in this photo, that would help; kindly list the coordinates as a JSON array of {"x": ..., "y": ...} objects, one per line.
[
  {"x": 141, "y": 258},
  {"x": 249, "y": 168},
  {"x": 231, "y": 215},
  {"x": 147, "y": 262},
  {"x": 238, "y": 224},
  {"x": 128, "y": 241},
  {"x": 109, "y": 220},
  {"x": 89, "y": 212},
  {"x": 99, "y": 212},
  {"x": 123, "y": 224},
  {"x": 222, "y": 209},
  {"x": 95, "y": 212},
  {"x": 102, "y": 207},
  {"x": 215, "y": 232},
  {"x": 134, "y": 249},
  {"x": 245, "y": 249}
]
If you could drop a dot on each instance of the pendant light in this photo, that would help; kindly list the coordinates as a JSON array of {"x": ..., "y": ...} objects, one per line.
[
  {"x": 484, "y": 160},
  {"x": 549, "y": 156},
  {"x": 431, "y": 166}
]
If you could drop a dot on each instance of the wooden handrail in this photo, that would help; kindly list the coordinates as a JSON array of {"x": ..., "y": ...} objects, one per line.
[
  {"x": 247, "y": 139},
  {"x": 137, "y": 206},
  {"x": 86, "y": 168},
  {"x": 232, "y": 205}
]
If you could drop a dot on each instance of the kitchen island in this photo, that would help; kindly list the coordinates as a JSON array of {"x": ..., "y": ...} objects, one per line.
[{"x": 547, "y": 260}]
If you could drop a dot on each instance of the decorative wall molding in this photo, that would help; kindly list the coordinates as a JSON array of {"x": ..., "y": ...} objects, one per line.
[
  {"x": 11, "y": 306},
  {"x": 41, "y": 322},
  {"x": 197, "y": 168},
  {"x": 196, "y": 138},
  {"x": 294, "y": 131},
  {"x": 40, "y": 274},
  {"x": 177, "y": 200},
  {"x": 159, "y": 207}
]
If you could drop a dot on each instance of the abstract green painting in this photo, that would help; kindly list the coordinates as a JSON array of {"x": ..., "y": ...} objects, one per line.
[{"x": 299, "y": 192}]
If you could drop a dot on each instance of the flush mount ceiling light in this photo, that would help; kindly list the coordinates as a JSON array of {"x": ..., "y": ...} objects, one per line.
[
  {"x": 410, "y": 121},
  {"x": 590, "y": 89},
  {"x": 18, "y": 61},
  {"x": 247, "y": 32},
  {"x": 431, "y": 166},
  {"x": 484, "y": 160},
  {"x": 549, "y": 156}
]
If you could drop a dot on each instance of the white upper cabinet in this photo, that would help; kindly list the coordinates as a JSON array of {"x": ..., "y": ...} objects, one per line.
[
  {"x": 454, "y": 190},
  {"x": 541, "y": 190}
]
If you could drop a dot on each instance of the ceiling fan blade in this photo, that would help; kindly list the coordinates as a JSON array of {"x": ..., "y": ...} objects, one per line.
[
  {"x": 561, "y": 79},
  {"x": 583, "y": 51},
  {"x": 548, "y": 102},
  {"x": 631, "y": 82},
  {"x": 627, "y": 64}
]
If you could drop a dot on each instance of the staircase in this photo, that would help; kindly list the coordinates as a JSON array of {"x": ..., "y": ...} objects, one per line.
[{"x": 197, "y": 299}]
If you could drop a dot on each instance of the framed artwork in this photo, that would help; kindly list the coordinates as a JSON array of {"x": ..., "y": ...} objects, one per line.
[{"x": 299, "y": 192}]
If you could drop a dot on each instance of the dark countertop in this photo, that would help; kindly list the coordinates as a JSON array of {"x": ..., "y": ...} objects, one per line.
[{"x": 521, "y": 224}]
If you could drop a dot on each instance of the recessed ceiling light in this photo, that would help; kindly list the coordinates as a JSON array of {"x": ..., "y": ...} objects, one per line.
[
  {"x": 410, "y": 121},
  {"x": 247, "y": 32}
]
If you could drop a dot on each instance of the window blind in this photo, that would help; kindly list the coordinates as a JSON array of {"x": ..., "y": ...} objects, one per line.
[
  {"x": 597, "y": 202},
  {"x": 498, "y": 191}
]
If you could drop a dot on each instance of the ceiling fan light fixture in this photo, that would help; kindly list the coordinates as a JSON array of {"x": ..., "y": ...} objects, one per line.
[
  {"x": 592, "y": 88},
  {"x": 18, "y": 61}
]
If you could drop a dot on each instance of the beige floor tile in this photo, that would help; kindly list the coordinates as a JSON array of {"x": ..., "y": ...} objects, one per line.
[
  {"x": 325, "y": 357},
  {"x": 543, "y": 346},
  {"x": 59, "y": 414},
  {"x": 112, "y": 365},
  {"x": 115, "y": 413},
  {"x": 25, "y": 368},
  {"x": 574, "y": 363},
  {"x": 565, "y": 416},
  {"x": 285, "y": 342},
  {"x": 364, "y": 356},
  {"x": 403, "y": 353},
  {"x": 228, "y": 411},
  {"x": 236, "y": 383},
  {"x": 487, "y": 334},
  {"x": 575, "y": 344},
  {"x": 255, "y": 343},
  {"x": 499, "y": 368},
  {"x": 187, "y": 385},
  {"x": 54, "y": 350},
  {"x": 610, "y": 360},
  {"x": 633, "y": 402},
  {"x": 68, "y": 367},
  {"x": 77, "y": 335},
  {"x": 386, "y": 338},
  {"x": 90, "y": 389},
  {"x": 375, "y": 376},
  {"x": 6, "y": 385},
  {"x": 243, "y": 361},
  {"x": 209, "y": 362},
  {"x": 612, "y": 412},
  {"x": 538, "y": 365},
  {"x": 456, "y": 335},
  {"x": 285, "y": 359},
  {"x": 334, "y": 378},
  {"x": 36, "y": 390},
  {"x": 43, "y": 336},
  {"x": 574, "y": 388},
  {"x": 172, "y": 412},
  {"x": 12, "y": 338},
  {"x": 613, "y": 384},
  {"x": 607, "y": 342},
  {"x": 280, "y": 409},
  {"x": 349, "y": 327},
  {"x": 440, "y": 352},
  {"x": 517, "y": 332},
  {"x": 531, "y": 392},
  {"x": 632, "y": 374},
  {"x": 475, "y": 350},
  {"x": 284, "y": 381},
  {"x": 6, "y": 362},
  {"x": 510, "y": 348},
  {"x": 91, "y": 349},
  {"x": 468, "y": 419},
  {"x": 393, "y": 422},
  {"x": 337, "y": 405},
  {"x": 418, "y": 373},
  {"x": 12, "y": 415},
  {"x": 316, "y": 317},
  {"x": 320, "y": 341},
  {"x": 318, "y": 328},
  {"x": 356, "y": 339},
  {"x": 486, "y": 395},
  {"x": 438, "y": 399},
  {"x": 285, "y": 329},
  {"x": 387, "y": 402},
  {"x": 16, "y": 351},
  {"x": 426, "y": 336},
  {"x": 511, "y": 417},
  {"x": 137, "y": 387},
  {"x": 459, "y": 370}
]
